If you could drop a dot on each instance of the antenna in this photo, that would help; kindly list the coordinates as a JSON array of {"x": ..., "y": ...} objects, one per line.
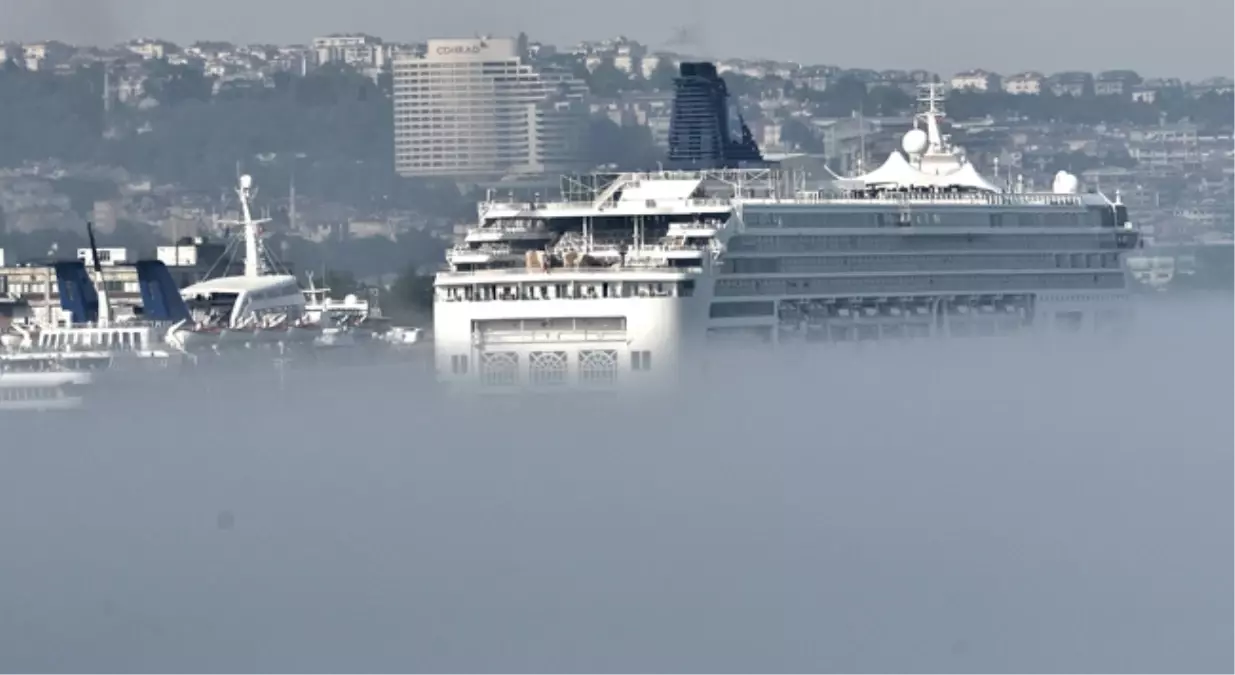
[
  {"x": 931, "y": 115},
  {"x": 862, "y": 137},
  {"x": 291, "y": 198}
]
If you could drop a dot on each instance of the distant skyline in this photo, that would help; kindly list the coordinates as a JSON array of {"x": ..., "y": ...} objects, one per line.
[{"x": 1192, "y": 39}]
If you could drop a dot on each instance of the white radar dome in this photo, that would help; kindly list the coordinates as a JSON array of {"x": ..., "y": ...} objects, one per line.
[
  {"x": 915, "y": 142},
  {"x": 246, "y": 181},
  {"x": 351, "y": 299},
  {"x": 1066, "y": 184}
]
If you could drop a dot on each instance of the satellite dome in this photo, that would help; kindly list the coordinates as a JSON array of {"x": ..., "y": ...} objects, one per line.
[
  {"x": 1066, "y": 183},
  {"x": 246, "y": 181},
  {"x": 351, "y": 299},
  {"x": 915, "y": 142}
]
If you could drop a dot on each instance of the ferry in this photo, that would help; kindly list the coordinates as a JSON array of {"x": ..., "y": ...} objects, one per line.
[{"x": 40, "y": 391}]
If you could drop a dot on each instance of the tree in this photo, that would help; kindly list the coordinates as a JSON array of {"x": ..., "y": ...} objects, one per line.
[
  {"x": 175, "y": 84},
  {"x": 799, "y": 134},
  {"x": 842, "y": 98},
  {"x": 412, "y": 295},
  {"x": 628, "y": 147},
  {"x": 663, "y": 75},
  {"x": 341, "y": 282},
  {"x": 607, "y": 81}
]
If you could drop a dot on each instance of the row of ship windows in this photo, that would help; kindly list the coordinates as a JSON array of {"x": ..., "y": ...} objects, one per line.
[
  {"x": 815, "y": 219},
  {"x": 599, "y": 366},
  {"x": 530, "y": 325},
  {"x": 578, "y": 290},
  {"x": 946, "y": 283},
  {"x": 904, "y": 263},
  {"x": 795, "y": 309},
  {"x": 926, "y": 242},
  {"x": 26, "y": 394}
]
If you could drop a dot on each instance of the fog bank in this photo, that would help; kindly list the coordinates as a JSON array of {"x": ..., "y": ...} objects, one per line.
[{"x": 984, "y": 507}]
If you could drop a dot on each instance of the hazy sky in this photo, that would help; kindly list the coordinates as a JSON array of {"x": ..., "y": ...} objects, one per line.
[{"x": 1187, "y": 38}]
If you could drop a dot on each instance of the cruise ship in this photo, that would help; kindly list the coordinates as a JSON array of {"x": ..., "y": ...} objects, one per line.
[{"x": 627, "y": 275}]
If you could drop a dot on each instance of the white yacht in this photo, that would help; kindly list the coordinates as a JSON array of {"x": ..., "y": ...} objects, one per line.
[
  {"x": 619, "y": 282},
  {"x": 259, "y": 306}
]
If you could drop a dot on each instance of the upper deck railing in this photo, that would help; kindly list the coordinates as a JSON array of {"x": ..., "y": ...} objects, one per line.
[
  {"x": 933, "y": 198},
  {"x": 567, "y": 272},
  {"x": 929, "y": 197}
]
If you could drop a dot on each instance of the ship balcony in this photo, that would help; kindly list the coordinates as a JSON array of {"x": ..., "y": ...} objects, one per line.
[
  {"x": 646, "y": 256},
  {"x": 697, "y": 229},
  {"x": 464, "y": 255},
  {"x": 482, "y": 235}
]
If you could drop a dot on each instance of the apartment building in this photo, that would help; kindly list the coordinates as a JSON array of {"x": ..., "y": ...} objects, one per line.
[
  {"x": 1029, "y": 82},
  {"x": 976, "y": 80},
  {"x": 357, "y": 50}
]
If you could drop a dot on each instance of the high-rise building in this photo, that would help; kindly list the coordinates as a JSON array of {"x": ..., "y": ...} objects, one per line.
[
  {"x": 706, "y": 130},
  {"x": 476, "y": 108}
]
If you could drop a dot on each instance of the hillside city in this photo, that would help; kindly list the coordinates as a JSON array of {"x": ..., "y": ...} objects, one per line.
[{"x": 146, "y": 138}]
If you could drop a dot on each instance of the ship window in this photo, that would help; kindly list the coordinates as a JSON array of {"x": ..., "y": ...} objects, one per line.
[
  {"x": 499, "y": 367},
  {"x": 641, "y": 360},
  {"x": 724, "y": 310},
  {"x": 548, "y": 367},
  {"x": 598, "y": 366},
  {"x": 458, "y": 364}
]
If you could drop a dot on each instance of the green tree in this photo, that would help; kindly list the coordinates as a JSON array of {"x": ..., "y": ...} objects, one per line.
[
  {"x": 411, "y": 295},
  {"x": 628, "y": 147},
  {"x": 662, "y": 76},
  {"x": 607, "y": 81},
  {"x": 173, "y": 84},
  {"x": 798, "y": 133},
  {"x": 341, "y": 282}
]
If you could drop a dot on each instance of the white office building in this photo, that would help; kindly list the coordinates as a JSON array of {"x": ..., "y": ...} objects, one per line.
[{"x": 475, "y": 108}]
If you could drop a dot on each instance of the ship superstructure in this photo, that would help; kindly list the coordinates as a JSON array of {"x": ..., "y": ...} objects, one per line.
[
  {"x": 259, "y": 306},
  {"x": 627, "y": 274}
]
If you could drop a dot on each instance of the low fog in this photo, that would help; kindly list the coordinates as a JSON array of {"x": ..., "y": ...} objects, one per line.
[{"x": 990, "y": 506}]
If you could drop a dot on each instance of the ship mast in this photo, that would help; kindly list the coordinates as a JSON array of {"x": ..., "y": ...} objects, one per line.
[
  {"x": 932, "y": 99},
  {"x": 252, "y": 242},
  {"x": 105, "y": 317}
]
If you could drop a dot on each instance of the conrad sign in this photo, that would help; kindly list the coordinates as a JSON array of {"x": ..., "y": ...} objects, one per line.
[
  {"x": 452, "y": 50},
  {"x": 492, "y": 48}
]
